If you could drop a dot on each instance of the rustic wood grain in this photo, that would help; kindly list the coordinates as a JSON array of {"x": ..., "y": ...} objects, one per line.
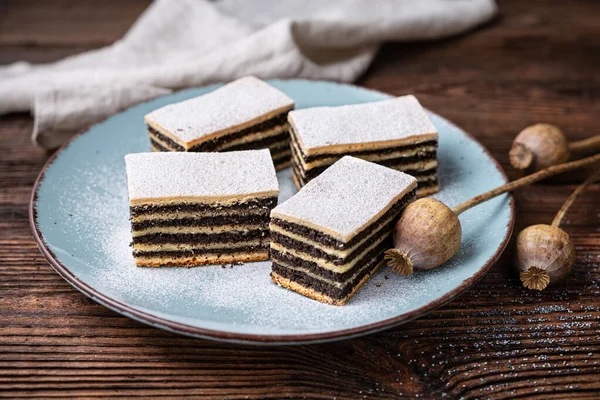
[{"x": 538, "y": 61}]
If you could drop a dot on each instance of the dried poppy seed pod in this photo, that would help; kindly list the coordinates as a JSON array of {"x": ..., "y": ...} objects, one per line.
[
  {"x": 427, "y": 235},
  {"x": 428, "y": 232},
  {"x": 541, "y": 146},
  {"x": 544, "y": 256},
  {"x": 544, "y": 253}
]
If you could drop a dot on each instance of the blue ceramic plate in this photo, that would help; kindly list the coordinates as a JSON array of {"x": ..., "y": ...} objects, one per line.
[{"x": 79, "y": 217}]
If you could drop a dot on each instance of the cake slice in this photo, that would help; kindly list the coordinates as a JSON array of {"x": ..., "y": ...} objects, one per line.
[
  {"x": 200, "y": 208},
  {"x": 396, "y": 133},
  {"x": 242, "y": 115},
  {"x": 329, "y": 238}
]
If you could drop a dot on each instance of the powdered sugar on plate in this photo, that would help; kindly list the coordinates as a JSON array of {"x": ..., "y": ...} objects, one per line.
[
  {"x": 82, "y": 213},
  {"x": 246, "y": 293}
]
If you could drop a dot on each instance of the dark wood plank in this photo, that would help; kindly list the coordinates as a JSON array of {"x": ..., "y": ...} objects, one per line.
[
  {"x": 41, "y": 31},
  {"x": 537, "y": 62},
  {"x": 66, "y": 22}
]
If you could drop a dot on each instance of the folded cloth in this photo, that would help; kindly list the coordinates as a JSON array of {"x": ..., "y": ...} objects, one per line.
[{"x": 177, "y": 44}]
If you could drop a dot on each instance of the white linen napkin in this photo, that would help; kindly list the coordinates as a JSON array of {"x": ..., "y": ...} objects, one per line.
[{"x": 177, "y": 44}]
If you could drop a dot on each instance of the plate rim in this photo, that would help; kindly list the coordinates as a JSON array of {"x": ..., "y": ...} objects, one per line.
[{"x": 250, "y": 338}]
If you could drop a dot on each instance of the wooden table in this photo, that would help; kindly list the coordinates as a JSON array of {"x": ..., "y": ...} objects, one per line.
[{"x": 539, "y": 61}]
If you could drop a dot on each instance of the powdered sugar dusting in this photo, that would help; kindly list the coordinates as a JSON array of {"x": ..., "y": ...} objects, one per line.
[
  {"x": 180, "y": 174},
  {"x": 245, "y": 294},
  {"x": 392, "y": 119},
  {"x": 231, "y": 105},
  {"x": 346, "y": 196},
  {"x": 83, "y": 211}
]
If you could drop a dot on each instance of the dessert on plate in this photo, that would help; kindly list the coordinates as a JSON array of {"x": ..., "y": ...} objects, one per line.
[
  {"x": 329, "y": 238},
  {"x": 396, "y": 133},
  {"x": 200, "y": 208},
  {"x": 242, "y": 115}
]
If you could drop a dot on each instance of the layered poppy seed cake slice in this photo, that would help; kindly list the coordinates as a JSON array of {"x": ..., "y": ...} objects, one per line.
[
  {"x": 329, "y": 238},
  {"x": 243, "y": 115},
  {"x": 200, "y": 208},
  {"x": 396, "y": 133}
]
